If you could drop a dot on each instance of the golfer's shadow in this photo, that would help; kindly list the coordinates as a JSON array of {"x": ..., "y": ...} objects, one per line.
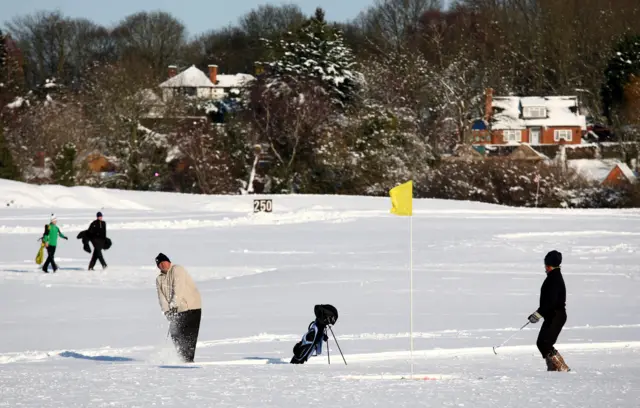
[{"x": 268, "y": 360}]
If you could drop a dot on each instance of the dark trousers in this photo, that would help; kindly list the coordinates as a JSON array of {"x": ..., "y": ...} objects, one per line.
[
  {"x": 98, "y": 244},
  {"x": 184, "y": 333},
  {"x": 51, "y": 251},
  {"x": 549, "y": 333}
]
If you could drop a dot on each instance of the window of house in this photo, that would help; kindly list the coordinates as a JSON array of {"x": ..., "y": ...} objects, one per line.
[
  {"x": 562, "y": 134},
  {"x": 188, "y": 91},
  {"x": 512, "y": 135},
  {"x": 535, "y": 112}
]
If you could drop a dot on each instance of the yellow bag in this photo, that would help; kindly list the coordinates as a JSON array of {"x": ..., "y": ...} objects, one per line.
[{"x": 40, "y": 256}]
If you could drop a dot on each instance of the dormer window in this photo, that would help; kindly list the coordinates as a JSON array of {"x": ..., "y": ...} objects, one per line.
[{"x": 534, "y": 112}]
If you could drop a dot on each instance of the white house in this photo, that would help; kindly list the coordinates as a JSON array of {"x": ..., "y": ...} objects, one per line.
[{"x": 195, "y": 83}]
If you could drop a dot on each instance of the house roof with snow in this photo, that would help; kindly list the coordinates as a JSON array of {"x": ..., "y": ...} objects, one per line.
[
  {"x": 514, "y": 112},
  {"x": 593, "y": 169},
  {"x": 233, "y": 81},
  {"x": 526, "y": 152},
  {"x": 191, "y": 77},
  {"x": 601, "y": 170},
  {"x": 627, "y": 172}
]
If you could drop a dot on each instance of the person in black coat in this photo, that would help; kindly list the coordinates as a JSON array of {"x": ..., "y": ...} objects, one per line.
[
  {"x": 553, "y": 299},
  {"x": 98, "y": 235}
]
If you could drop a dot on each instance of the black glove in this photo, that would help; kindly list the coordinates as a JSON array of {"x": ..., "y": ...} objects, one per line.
[
  {"x": 65, "y": 238},
  {"x": 325, "y": 337},
  {"x": 533, "y": 318}
]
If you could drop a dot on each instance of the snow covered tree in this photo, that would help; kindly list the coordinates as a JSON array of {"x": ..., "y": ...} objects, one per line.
[
  {"x": 39, "y": 123},
  {"x": 216, "y": 154},
  {"x": 294, "y": 123},
  {"x": 457, "y": 88},
  {"x": 385, "y": 148},
  {"x": 315, "y": 53},
  {"x": 116, "y": 101},
  {"x": 64, "y": 172},
  {"x": 624, "y": 64}
]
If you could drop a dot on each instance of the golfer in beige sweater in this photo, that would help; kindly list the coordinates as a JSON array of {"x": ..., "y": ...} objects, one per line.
[{"x": 180, "y": 301}]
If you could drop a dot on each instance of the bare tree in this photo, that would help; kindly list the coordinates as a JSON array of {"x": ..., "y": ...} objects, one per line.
[
  {"x": 55, "y": 46},
  {"x": 230, "y": 48},
  {"x": 269, "y": 21},
  {"x": 391, "y": 22},
  {"x": 156, "y": 38}
]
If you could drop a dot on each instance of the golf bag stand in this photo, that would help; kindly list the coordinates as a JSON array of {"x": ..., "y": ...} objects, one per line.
[{"x": 337, "y": 344}]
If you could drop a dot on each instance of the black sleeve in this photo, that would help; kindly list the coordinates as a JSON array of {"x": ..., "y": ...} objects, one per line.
[
  {"x": 92, "y": 230},
  {"x": 548, "y": 298}
]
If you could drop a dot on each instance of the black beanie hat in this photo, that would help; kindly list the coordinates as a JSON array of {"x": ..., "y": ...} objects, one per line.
[
  {"x": 99, "y": 214},
  {"x": 553, "y": 258},
  {"x": 161, "y": 258}
]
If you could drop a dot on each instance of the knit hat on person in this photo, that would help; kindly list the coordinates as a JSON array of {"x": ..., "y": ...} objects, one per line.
[
  {"x": 99, "y": 214},
  {"x": 53, "y": 218},
  {"x": 161, "y": 258},
  {"x": 553, "y": 258}
]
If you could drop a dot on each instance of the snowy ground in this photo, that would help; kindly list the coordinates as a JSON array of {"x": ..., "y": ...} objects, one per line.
[{"x": 80, "y": 339}]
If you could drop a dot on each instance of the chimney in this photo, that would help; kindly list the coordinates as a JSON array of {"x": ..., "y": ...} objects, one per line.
[
  {"x": 488, "y": 103},
  {"x": 213, "y": 73},
  {"x": 172, "y": 71}
]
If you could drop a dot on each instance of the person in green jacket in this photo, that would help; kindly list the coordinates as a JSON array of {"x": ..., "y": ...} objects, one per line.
[{"x": 50, "y": 240}]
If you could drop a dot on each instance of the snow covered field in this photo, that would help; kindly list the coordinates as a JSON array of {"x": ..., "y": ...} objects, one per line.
[{"x": 93, "y": 339}]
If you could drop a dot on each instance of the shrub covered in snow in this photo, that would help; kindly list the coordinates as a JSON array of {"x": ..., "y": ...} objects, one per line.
[{"x": 513, "y": 183}]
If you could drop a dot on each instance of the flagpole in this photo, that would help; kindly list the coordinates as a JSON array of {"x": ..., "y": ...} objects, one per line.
[
  {"x": 411, "y": 288},
  {"x": 402, "y": 204}
]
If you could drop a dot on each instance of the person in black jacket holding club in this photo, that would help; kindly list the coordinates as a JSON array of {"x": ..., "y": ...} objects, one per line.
[
  {"x": 553, "y": 299},
  {"x": 98, "y": 235}
]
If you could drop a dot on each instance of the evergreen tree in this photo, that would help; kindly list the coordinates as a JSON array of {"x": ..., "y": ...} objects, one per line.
[
  {"x": 65, "y": 169},
  {"x": 624, "y": 63},
  {"x": 316, "y": 53}
]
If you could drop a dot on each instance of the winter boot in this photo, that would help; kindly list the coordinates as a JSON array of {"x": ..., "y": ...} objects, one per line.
[
  {"x": 550, "y": 365},
  {"x": 555, "y": 362},
  {"x": 563, "y": 365}
]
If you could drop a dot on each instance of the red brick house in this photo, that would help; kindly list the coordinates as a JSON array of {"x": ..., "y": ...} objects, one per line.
[{"x": 534, "y": 120}]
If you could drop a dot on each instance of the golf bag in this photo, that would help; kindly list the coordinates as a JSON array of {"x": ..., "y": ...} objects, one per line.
[
  {"x": 86, "y": 240},
  {"x": 311, "y": 342}
]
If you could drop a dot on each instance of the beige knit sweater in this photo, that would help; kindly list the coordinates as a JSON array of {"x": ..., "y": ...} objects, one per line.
[{"x": 177, "y": 290}]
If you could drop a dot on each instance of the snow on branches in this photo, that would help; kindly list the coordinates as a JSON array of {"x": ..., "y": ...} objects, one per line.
[{"x": 315, "y": 53}]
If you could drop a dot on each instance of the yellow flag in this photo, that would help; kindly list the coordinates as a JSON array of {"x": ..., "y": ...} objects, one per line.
[{"x": 402, "y": 199}]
